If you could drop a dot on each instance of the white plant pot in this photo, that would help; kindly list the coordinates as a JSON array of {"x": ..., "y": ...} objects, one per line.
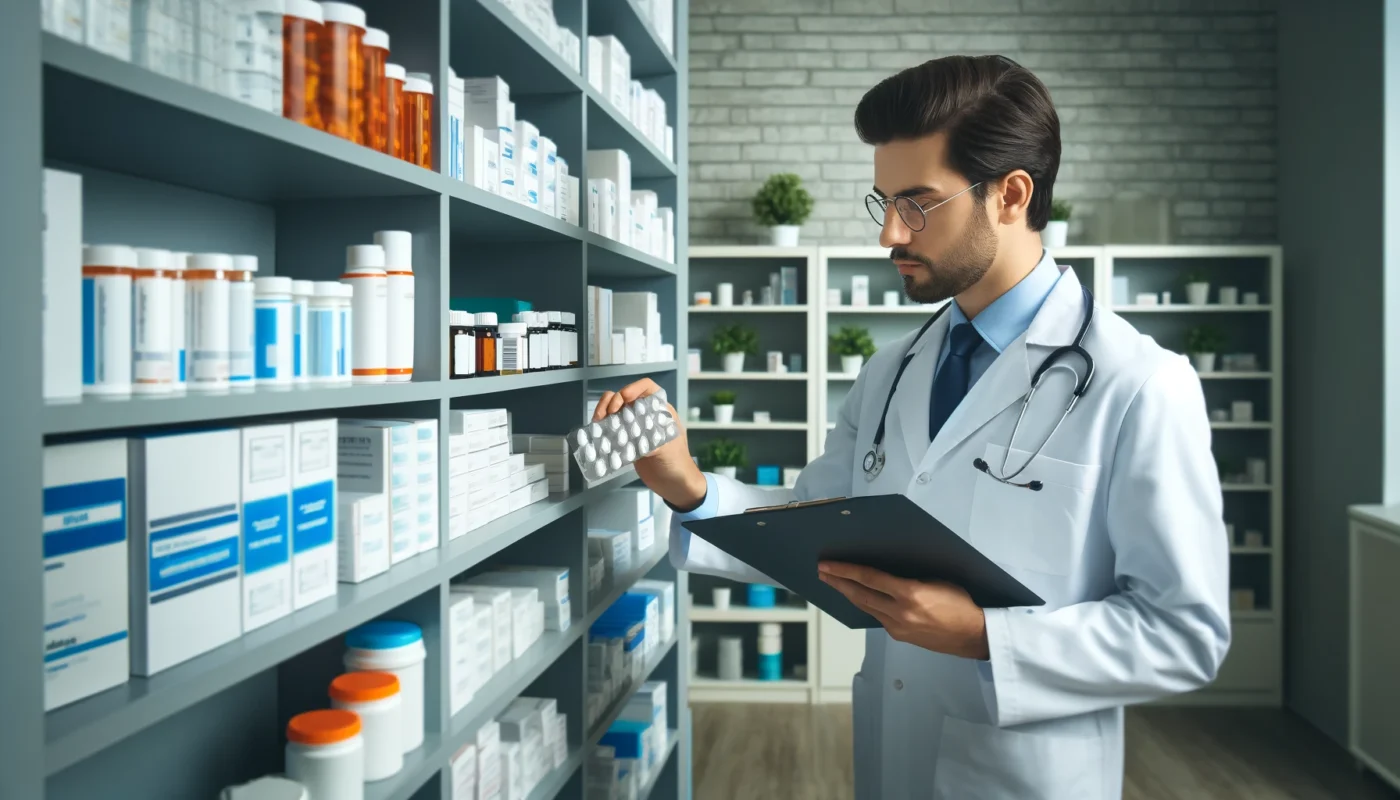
[
  {"x": 1055, "y": 234},
  {"x": 733, "y": 362},
  {"x": 850, "y": 365},
  {"x": 728, "y": 472},
  {"x": 1203, "y": 362},
  {"x": 784, "y": 235},
  {"x": 1198, "y": 294},
  {"x": 724, "y": 414}
]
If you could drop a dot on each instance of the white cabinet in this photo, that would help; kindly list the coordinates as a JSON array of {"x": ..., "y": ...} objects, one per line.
[
  {"x": 1374, "y": 735},
  {"x": 840, "y": 652}
]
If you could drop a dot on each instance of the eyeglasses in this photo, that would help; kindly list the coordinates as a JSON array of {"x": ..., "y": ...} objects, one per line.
[{"x": 911, "y": 213}]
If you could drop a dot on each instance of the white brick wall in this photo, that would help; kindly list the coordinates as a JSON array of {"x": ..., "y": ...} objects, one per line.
[{"x": 1173, "y": 98}]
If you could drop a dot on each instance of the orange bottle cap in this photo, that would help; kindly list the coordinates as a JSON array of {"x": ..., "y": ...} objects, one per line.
[
  {"x": 326, "y": 726},
  {"x": 364, "y": 687}
]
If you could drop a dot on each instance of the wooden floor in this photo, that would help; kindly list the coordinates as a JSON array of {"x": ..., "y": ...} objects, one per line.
[{"x": 800, "y": 752}]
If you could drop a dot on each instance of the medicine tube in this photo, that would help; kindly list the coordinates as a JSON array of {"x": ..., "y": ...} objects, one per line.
[
  {"x": 302, "y": 292},
  {"x": 461, "y": 344},
  {"x": 343, "y": 71},
  {"x": 364, "y": 272},
  {"x": 376, "y": 58},
  {"x": 273, "y": 359},
  {"x": 486, "y": 341},
  {"x": 515, "y": 348},
  {"x": 302, "y": 33},
  {"x": 151, "y": 358},
  {"x": 324, "y": 349},
  {"x": 571, "y": 328},
  {"x": 241, "y": 333},
  {"x": 394, "y": 77},
  {"x": 107, "y": 276},
  {"x": 398, "y": 268},
  {"x": 207, "y": 326},
  {"x": 178, "y": 351},
  {"x": 418, "y": 113}
]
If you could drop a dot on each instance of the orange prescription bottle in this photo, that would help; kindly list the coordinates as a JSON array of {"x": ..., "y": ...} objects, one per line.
[
  {"x": 302, "y": 32},
  {"x": 394, "y": 77},
  {"x": 376, "y": 56},
  {"x": 343, "y": 71},
  {"x": 418, "y": 109}
]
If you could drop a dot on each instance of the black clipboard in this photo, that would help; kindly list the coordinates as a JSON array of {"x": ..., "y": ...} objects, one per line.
[{"x": 888, "y": 532}]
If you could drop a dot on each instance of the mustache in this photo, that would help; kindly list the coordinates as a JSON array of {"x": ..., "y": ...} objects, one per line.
[{"x": 903, "y": 254}]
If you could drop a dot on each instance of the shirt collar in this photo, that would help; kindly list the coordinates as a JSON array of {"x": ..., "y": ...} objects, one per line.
[{"x": 1002, "y": 322}]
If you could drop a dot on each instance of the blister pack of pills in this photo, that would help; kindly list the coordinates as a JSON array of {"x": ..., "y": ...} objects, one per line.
[{"x": 605, "y": 448}]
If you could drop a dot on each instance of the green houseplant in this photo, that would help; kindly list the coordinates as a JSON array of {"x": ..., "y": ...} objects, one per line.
[
  {"x": 724, "y": 406},
  {"x": 1057, "y": 229},
  {"x": 732, "y": 343},
  {"x": 854, "y": 346},
  {"x": 781, "y": 206},
  {"x": 724, "y": 457},
  {"x": 1203, "y": 343}
]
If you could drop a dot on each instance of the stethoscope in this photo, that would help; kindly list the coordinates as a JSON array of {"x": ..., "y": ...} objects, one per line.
[{"x": 874, "y": 460}]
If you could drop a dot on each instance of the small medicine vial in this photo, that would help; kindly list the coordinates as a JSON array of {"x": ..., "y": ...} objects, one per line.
[
  {"x": 486, "y": 344},
  {"x": 302, "y": 31},
  {"x": 152, "y": 361},
  {"x": 376, "y": 58},
  {"x": 396, "y": 647},
  {"x": 375, "y": 697},
  {"x": 178, "y": 351},
  {"x": 394, "y": 77},
  {"x": 207, "y": 326},
  {"x": 535, "y": 337},
  {"x": 302, "y": 291},
  {"x": 556, "y": 340},
  {"x": 325, "y": 350},
  {"x": 343, "y": 71},
  {"x": 107, "y": 277},
  {"x": 515, "y": 348},
  {"x": 273, "y": 332},
  {"x": 241, "y": 298},
  {"x": 461, "y": 343},
  {"x": 364, "y": 271},
  {"x": 326, "y": 752},
  {"x": 398, "y": 269},
  {"x": 570, "y": 358},
  {"x": 418, "y": 117}
]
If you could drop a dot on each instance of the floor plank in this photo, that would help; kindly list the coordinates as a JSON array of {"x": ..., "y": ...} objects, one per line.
[{"x": 801, "y": 752}]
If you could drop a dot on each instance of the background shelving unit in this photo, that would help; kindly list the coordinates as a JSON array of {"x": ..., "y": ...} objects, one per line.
[{"x": 186, "y": 169}]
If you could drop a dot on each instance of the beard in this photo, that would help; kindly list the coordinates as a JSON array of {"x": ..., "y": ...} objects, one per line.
[{"x": 959, "y": 270}]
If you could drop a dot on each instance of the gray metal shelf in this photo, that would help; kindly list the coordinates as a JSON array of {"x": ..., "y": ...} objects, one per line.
[
  {"x": 484, "y": 217},
  {"x": 419, "y": 767},
  {"x": 609, "y": 258},
  {"x": 608, "y": 128},
  {"x": 673, "y": 738},
  {"x": 630, "y": 370},
  {"x": 471, "y": 387},
  {"x": 487, "y": 39},
  {"x": 624, "y": 20}
]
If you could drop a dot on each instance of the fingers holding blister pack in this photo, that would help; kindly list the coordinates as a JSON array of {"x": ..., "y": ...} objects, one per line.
[{"x": 608, "y": 446}]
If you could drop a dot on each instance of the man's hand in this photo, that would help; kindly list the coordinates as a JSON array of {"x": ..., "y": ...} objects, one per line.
[
  {"x": 936, "y": 616},
  {"x": 668, "y": 470}
]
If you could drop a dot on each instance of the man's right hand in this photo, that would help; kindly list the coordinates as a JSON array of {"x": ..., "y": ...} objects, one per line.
[{"x": 668, "y": 470}]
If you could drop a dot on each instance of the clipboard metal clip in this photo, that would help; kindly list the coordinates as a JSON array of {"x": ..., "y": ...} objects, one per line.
[{"x": 794, "y": 504}]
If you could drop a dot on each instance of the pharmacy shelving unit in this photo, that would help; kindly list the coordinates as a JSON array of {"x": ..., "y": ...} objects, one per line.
[{"x": 165, "y": 164}]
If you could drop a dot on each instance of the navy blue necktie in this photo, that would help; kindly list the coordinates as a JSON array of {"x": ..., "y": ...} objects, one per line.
[{"x": 951, "y": 382}]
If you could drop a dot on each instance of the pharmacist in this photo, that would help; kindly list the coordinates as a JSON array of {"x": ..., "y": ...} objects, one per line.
[{"x": 1110, "y": 512}]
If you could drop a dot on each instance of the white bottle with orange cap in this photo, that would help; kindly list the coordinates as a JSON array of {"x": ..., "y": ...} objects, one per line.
[
  {"x": 364, "y": 273},
  {"x": 326, "y": 754},
  {"x": 398, "y": 268}
]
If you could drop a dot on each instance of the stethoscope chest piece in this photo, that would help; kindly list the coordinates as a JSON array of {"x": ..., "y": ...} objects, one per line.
[{"x": 873, "y": 463}]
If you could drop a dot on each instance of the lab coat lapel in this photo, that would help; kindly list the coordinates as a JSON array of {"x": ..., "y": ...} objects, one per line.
[{"x": 910, "y": 407}]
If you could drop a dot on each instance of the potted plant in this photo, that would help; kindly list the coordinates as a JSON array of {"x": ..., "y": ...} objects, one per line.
[
  {"x": 854, "y": 346},
  {"x": 1203, "y": 342},
  {"x": 1197, "y": 288},
  {"x": 724, "y": 406},
  {"x": 1057, "y": 229},
  {"x": 782, "y": 205},
  {"x": 724, "y": 457},
  {"x": 732, "y": 343}
]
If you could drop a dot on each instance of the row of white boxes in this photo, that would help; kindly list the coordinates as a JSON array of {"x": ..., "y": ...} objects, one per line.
[
  {"x": 630, "y": 751},
  {"x": 191, "y": 42},
  {"x": 486, "y": 481},
  {"x": 625, "y": 328},
  {"x": 510, "y": 755},
  {"x": 610, "y": 73},
  {"x": 538, "y": 16},
  {"x": 629, "y": 216},
  {"x": 162, "y": 547}
]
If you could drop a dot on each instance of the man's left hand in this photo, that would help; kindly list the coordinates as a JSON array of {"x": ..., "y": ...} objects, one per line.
[{"x": 936, "y": 616}]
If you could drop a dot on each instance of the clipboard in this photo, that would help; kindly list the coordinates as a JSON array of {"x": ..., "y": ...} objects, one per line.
[{"x": 887, "y": 532}]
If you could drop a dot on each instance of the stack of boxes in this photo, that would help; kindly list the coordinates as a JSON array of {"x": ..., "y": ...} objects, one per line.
[
  {"x": 631, "y": 750},
  {"x": 625, "y": 328},
  {"x": 549, "y": 452},
  {"x": 396, "y": 459},
  {"x": 510, "y": 755},
  {"x": 538, "y": 16},
  {"x": 610, "y": 74},
  {"x": 496, "y": 617},
  {"x": 623, "y": 214},
  {"x": 486, "y": 481}
]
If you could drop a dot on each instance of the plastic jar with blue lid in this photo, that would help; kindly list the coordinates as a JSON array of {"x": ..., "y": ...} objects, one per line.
[{"x": 393, "y": 646}]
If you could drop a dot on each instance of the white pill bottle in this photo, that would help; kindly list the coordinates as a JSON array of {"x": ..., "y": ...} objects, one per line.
[
  {"x": 242, "y": 300},
  {"x": 206, "y": 321},
  {"x": 397, "y": 647},
  {"x": 152, "y": 367},
  {"x": 364, "y": 273},
  {"x": 302, "y": 292},
  {"x": 273, "y": 341},
  {"x": 325, "y": 351},
  {"x": 179, "y": 346},
  {"x": 326, "y": 754},
  {"x": 398, "y": 322},
  {"x": 375, "y": 697},
  {"x": 107, "y": 277}
]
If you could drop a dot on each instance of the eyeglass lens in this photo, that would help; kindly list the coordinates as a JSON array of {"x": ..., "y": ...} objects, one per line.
[{"x": 908, "y": 210}]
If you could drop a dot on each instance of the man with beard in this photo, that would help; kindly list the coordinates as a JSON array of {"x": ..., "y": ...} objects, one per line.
[{"x": 1108, "y": 507}]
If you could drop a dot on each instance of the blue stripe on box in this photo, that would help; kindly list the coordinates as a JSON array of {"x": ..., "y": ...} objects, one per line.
[
  {"x": 313, "y": 516},
  {"x": 84, "y": 647},
  {"x": 265, "y": 541},
  {"x": 188, "y": 566}
]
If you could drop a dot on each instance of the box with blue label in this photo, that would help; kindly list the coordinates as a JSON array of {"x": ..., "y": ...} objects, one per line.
[
  {"x": 315, "y": 562},
  {"x": 648, "y": 705},
  {"x": 186, "y": 546},
  {"x": 266, "y": 483},
  {"x": 665, "y": 592},
  {"x": 631, "y": 741},
  {"x": 381, "y": 457},
  {"x": 86, "y": 644},
  {"x": 426, "y": 435}
]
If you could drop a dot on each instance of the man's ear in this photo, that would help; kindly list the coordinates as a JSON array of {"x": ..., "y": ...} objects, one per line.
[{"x": 1013, "y": 197}]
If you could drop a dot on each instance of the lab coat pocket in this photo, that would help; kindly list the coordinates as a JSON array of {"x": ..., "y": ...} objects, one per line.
[
  {"x": 1042, "y": 531},
  {"x": 984, "y": 762}
]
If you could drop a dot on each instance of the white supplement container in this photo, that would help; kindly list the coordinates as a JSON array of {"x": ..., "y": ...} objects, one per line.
[
  {"x": 206, "y": 304},
  {"x": 325, "y": 352},
  {"x": 272, "y": 358},
  {"x": 270, "y": 787},
  {"x": 397, "y": 647},
  {"x": 242, "y": 297},
  {"x": 178, "y": 353},
  {"x": 325, "y": 753},
  {"x": 302, "y": 292},
  {"x": 364, "y": 271},
  {"x": 462, "y": 363},
  {"x": 345, "y": 316},
  {"x": 398, "y": 268},
  {"x": 571, "y": 340},
  {"x": 556, "y": 339},
  {"x": 514, "y": 354},
  {"x": 375, "y": 697},
  {"x": 107, "y": 276},
  {"x": 152, "y": 362}
]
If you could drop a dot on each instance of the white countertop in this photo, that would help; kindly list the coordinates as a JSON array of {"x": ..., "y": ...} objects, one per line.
[{"x": 1387, "y": 517}]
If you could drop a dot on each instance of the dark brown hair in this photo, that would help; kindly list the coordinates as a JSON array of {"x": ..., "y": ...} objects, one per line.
[{"x": 997, "y": 115}]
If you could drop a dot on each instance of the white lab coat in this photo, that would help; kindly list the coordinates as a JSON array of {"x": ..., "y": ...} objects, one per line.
[{"x": 1125, "y": 543}]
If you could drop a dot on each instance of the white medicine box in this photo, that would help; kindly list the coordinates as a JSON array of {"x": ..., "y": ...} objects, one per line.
[
  {"x": 314, "y": 552},
  {"x": 267, "y": 552},
  {"x": 63, "y": 277},
  {"x": 381, "y": 457},
  {"x": 185, "y": 535},
  {"x": 426, "y": 458},
  {"x": 627, "y": 509},
  {"x": 362, "y": 536},
  {"x": 86, "y": 649}
]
